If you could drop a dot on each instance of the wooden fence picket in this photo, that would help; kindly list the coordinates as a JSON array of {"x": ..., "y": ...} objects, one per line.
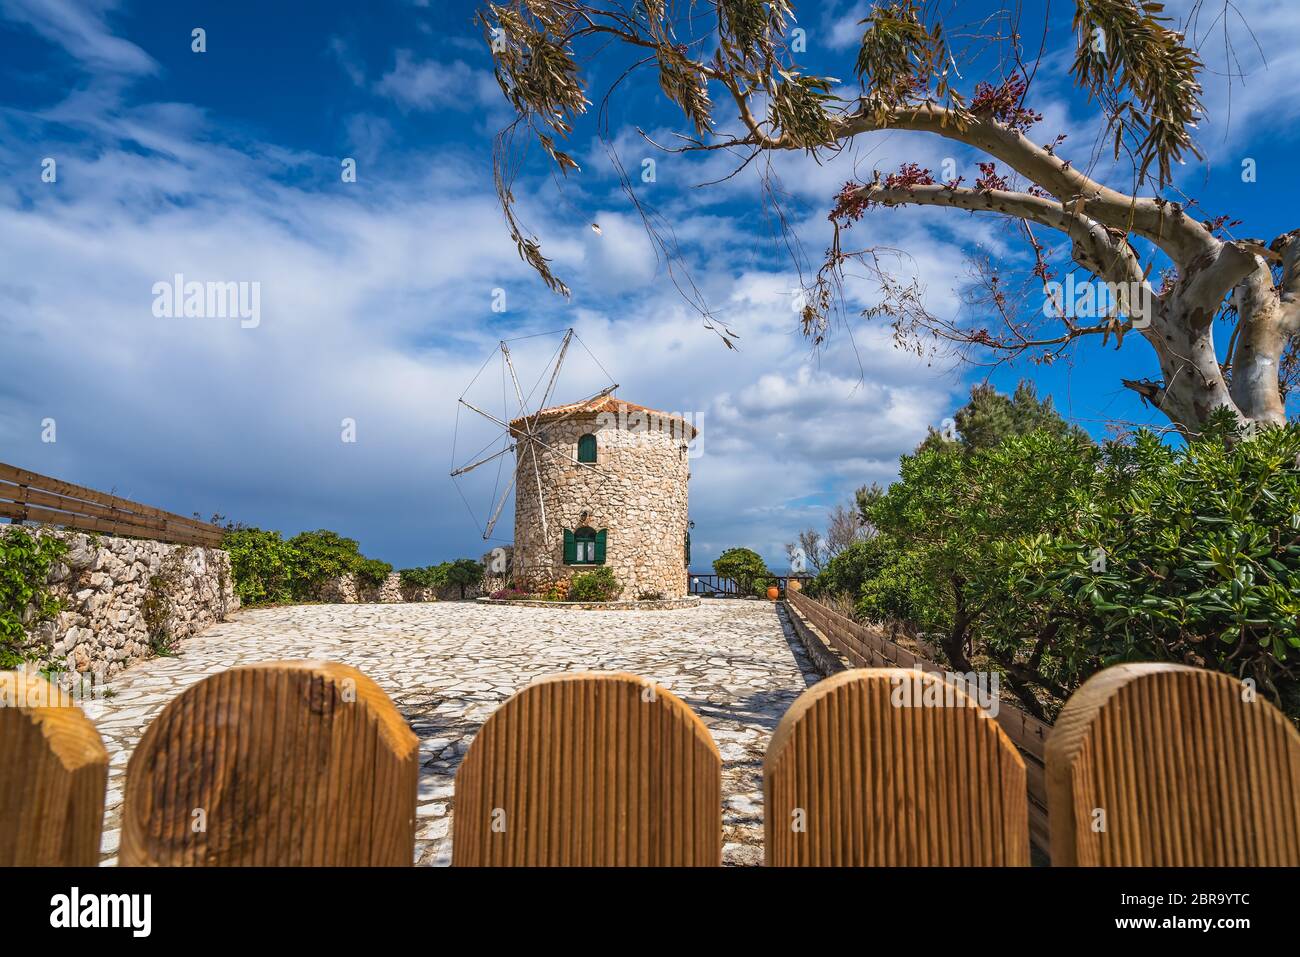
[
  {"x": 862, "y": 771},
  {"x": 53, "y": 775},
  {"x": 1163, "y": 764},
  {"x": 867, "y": 646},
  {"x": 288, "y": 763},
  {"x": 590, "y": 769}
]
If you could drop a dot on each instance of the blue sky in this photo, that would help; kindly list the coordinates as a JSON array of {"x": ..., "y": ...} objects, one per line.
[{"x": 377, "y": 295}]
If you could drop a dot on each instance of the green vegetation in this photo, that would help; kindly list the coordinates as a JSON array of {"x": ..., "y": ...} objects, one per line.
[
  {"x": 25, "y": 563},
  {"x": 599, "y": 584},
  {"x": 428, "y": 577},
  {"x": 156, "y": 605},
  {"x": 464, "y": 572},
  {"x": 270, "y": 570},
  {"x": 746, "y": 568},
  {"x": 373, "y": 572},
  {"x": 322, "y": 556},
  {"x": 1044, "y": 557},
  {"x": 263, "y": 565}
]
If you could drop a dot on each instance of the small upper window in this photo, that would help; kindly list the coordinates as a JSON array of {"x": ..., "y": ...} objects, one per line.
[{"x": 587, "y": 448}]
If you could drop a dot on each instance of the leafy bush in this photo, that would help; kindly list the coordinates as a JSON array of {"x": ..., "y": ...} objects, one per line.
[
  {"x": 431, "y": 576},
  {"x": 464, "y": 572},
  {"x": 1047, "y": 558},
  {"x": 949, "y": 523},
  {"x": 744, "y": 567},
  {"x": 373, "y": 572},
  {"x": 599, "y": 584},
  {"x": 262, "y": 565},
  {"x": 1188, "y": 555},
  {"x": 846, "y": 572},
  {"x": 269, "y": 570},
  {"x": 321, "y": 556},
  {"x": 25, "y": 563}
]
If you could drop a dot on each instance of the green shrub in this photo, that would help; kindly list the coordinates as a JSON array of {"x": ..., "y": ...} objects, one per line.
[
  {"x": 744, "y": 567},
  {"x": 1189, "y": 555},
  {"x": 1047, "y": 559},
  {"x": 262, "y": 565},
  {"x": 321, "y": 556},
  {"x": 464, "y": 572},
  {"x": 269, "y": 570},
  {"x": 846, "y": 572},
  {"x": 599, "y": 584},
  {"x": 25, "y": 563},
  {"x": 373, "y": 572},
  {"x": 431, "y": 576}
]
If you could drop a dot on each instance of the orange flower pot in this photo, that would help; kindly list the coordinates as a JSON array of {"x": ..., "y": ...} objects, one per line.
[{"x": 773, "y": 593}]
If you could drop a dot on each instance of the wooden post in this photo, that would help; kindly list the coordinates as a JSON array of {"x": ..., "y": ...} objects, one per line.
[
  {"x": 892, "y": 767},
  {"x": 53, "y": 774},
  {"x": 297, "y": 763},
  {"x": 594, "y": 769},
  {"x": 1167, "y": 765}
]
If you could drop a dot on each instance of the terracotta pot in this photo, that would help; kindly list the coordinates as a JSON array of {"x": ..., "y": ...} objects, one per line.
[
  {"x": 773, "y": 593},
  {"x": 793, "y": 585}
]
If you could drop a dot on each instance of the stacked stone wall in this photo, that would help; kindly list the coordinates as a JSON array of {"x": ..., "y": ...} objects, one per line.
[
  {"x": 124, "y": 599},
  {"x": 350, "y": 590}
]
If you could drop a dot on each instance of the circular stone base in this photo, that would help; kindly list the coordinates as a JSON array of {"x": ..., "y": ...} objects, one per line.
[{"x": 660, "y": 604}]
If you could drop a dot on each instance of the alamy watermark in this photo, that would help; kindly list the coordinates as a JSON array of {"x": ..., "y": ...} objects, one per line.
[
  {"x": 179, "y": 299},
  {"x": 950, "y": 689},
  {"x": 1097, "y": 299},
  {"x": 682, "y": 427}
]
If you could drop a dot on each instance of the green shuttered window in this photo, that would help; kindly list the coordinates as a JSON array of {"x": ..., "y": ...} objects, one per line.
[
  {"x": 587, "y": 448},
  {"x": 584, "y": 546}
]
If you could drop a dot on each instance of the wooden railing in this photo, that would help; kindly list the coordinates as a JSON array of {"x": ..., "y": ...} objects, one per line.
[
  {"x": 867, "y": 647},
  {"x": 29, "y": 497},
  {"x": 309, "y": 763}
]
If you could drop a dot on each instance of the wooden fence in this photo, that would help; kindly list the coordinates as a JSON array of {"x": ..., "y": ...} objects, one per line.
[
  {"x": 309, "y": 763},
  {"x": 27, "y": 496},
  {"x": 53, "y": 775},
  {"x": 1161, "y": 764},
  {"x": 294, "y": 763},
  {"x": 595, "y": 769},
  {"x": 866, "y": 647},
  {"x": 863, "y": 772}
]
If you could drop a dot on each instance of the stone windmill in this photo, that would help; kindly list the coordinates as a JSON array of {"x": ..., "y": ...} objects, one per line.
[{"x": 521, "y": 432}]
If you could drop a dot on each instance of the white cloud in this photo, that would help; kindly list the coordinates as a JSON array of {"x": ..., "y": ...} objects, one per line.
[
  {"x": 842, "y": 25},
  {"x": 376, "y": 306},
  {"x": 419, "y": 84},
  {"x": 81, "y": 28}
]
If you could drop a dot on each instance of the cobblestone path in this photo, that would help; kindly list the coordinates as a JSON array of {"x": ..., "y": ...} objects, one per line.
[{"x": 448, "y": 665}]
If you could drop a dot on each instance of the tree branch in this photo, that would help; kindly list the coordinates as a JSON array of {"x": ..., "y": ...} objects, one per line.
[
  {"x": 1107, "y": 255},
  {"x": 1162, "y": 222},
  {"x": 1288, "y": 246}
]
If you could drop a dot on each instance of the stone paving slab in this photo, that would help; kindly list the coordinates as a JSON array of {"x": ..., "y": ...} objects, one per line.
[{"x": 448, "y": 665}]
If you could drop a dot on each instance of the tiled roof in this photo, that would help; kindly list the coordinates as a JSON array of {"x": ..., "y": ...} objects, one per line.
[{"x": 609, "y": 403}]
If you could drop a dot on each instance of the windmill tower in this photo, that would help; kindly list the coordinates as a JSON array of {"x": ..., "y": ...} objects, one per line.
[{"x": 600, "y": 481}]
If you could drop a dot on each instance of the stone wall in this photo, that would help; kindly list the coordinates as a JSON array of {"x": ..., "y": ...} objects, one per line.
[
  {"x": 662, "y": 604},
  {"x": 637, "y": 492},
  {"x": 124, "y": 597},
  {"x": 349, "y": 590}
]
